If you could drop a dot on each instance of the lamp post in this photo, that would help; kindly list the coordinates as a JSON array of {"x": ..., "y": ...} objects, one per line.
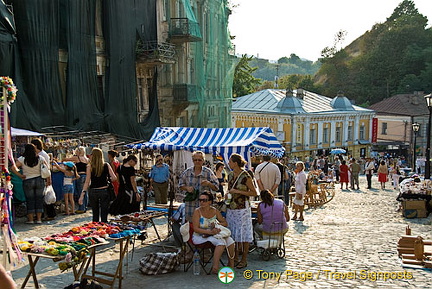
[
  {"x": 428, "y": 143},
  {"x": 415, "y": 127}
]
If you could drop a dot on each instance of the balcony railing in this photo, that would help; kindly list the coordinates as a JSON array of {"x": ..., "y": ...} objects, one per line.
[
  {"x": 155, "y": 52},
  {"x": 184, "y": 30},
  {"x": 185, "y": 92}
]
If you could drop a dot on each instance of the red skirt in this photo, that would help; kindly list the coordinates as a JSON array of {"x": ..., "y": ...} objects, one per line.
[{"x": 382, "y": 178}]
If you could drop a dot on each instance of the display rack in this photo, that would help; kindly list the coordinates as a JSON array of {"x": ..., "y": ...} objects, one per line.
[{"x": 11, "y": 252}]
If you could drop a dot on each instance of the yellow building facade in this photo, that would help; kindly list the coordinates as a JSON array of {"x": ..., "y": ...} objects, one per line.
[{"x": 307, "y": 124}]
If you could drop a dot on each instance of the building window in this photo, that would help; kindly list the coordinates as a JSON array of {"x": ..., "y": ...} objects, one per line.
[
  {"x": 299, "y": 135},
  {"x": 338, "y": 134},
  {"x": 312, "y": 137},
  {"x": 384, "y": 128},
  {"x": 362, "y": 132},
  {"x": 350, "y": 133},
  {"x": 325, "y": 135}
]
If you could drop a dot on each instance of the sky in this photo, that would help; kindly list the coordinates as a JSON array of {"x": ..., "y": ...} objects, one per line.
[{"x": 272, "y": 29}]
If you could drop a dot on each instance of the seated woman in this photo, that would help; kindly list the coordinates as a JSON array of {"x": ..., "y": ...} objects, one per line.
[
  {"x": 204, "y": 220},
  {"x": 272, "y": 215}
]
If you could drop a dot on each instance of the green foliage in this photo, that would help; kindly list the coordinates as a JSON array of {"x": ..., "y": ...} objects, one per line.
[
  {"x": 295, "y": 81},
  {"x": 393, "y": 57},
  {"x": 267, "y": 84},
  {"x": 244, "y": 82},
  {"x": 285, "y": 66}
]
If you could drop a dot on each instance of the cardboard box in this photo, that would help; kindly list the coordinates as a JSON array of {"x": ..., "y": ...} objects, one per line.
[{"x": 414, "y": 204}]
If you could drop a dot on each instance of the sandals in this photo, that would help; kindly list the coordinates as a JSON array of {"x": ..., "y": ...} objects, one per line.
[
  {"x": 29, "y": 222},
  {"x": 241, "y": 265},
  {"x": 215, "y": 271}
]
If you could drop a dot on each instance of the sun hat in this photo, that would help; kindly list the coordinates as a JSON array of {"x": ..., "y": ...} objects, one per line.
[{"x": 69, "y": 164}]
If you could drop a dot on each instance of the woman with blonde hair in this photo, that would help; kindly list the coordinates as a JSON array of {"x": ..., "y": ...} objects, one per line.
[
  {"x": 96, "y": 182},
  {"x": 81, "y": 160},
  {"x": 300, "y": 189}
]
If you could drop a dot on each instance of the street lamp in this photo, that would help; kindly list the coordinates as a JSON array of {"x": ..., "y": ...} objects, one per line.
[
  {"x": 415, "y": 127},
  {"x": 429, "y": 105}
]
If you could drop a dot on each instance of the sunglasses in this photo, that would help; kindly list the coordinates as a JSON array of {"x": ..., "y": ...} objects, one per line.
[
  {"x": 197, "y": 160},
  {"x": 203, "y": 200}
]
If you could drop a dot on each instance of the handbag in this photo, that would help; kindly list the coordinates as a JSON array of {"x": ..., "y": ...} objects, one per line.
[
  {"x": 224, "y": 232},
  {"x": 45, "y": 171},
  {"x": 111, "y": 192},
  {"x": 159, "y": 263},
  {"x": 191, "y": 196},
  {"x": 49, "y": 195}
]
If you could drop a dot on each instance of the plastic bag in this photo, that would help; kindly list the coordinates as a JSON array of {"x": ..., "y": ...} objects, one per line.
[{"x": 49, "y": 195}]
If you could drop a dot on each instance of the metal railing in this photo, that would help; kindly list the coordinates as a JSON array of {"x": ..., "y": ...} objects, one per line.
[
  {"x": 184, "y": 92},
  {"x": 156, "y": 50},
  {"x": 184, "y": 28}
]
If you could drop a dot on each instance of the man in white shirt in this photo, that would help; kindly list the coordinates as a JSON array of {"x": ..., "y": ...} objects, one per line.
[
  {"x": 268, "y": 175},
  {"x": 369, "y": 169}
]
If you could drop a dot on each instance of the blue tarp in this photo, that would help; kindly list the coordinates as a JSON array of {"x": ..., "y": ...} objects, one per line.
[{"x": 222, "y": 141}]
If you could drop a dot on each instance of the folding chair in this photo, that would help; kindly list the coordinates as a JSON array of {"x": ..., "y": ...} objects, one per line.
[{"x": 201, "y": 248}]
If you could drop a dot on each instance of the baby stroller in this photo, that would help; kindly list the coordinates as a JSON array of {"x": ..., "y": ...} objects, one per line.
[{"x": 272, "y": 242}]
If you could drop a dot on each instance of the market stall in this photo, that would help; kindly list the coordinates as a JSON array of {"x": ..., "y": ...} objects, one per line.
[
  {"x": 415, "y": 196},
  {"x": 76, "y": 249},
  {"x": 246, "y": 141},
  {"x": 220, "y": 142}
]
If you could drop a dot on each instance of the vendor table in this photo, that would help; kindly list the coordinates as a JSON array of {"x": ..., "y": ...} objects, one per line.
[
  {"x": 146, "y": 216},
  {"x": 77, "y": 269},
  {"x": 118, "y": 274}
]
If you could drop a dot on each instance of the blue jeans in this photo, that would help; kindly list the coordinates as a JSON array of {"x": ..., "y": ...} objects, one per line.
[
  {"x": 79, "y": 183},
  {"x": 99, "y": 202},
  {"x": 68, "y": 189},
  {"x": 33, "y": 189}
]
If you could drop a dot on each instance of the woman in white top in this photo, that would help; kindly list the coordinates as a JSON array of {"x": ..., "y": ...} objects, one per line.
[
  {"x": 33, "y": 183},
  {"x": 300, "y": 189}
]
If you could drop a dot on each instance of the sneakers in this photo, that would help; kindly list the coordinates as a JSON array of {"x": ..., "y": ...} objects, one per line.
[{"x": 79, "y": 212}]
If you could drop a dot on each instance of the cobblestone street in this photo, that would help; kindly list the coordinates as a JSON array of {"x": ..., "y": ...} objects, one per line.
[{"x": 356, "y": 233}]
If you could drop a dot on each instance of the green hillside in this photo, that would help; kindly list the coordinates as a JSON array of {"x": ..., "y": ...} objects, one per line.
[{"x": 393, "y": 57}]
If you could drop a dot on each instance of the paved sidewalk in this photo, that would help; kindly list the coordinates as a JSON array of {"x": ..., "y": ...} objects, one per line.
[{"x": 343, "y": 244}]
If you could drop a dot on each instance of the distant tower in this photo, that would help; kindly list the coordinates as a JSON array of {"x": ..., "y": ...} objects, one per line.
[{"x": 276, "y": 85}]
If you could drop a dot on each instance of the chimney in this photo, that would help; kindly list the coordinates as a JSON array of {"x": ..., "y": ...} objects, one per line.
[{"x": 300, "y": 93}]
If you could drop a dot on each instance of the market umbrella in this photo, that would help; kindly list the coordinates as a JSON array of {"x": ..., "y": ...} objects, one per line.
[{"x": 337, "y": 151}]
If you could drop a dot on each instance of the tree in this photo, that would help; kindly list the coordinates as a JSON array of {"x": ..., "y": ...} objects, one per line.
[
  {"x": 393, "y": 57},
  {"x": 244, "y": 81},
  {"x": 294, "y": 81},
  {"x": 328, "y": 52}
]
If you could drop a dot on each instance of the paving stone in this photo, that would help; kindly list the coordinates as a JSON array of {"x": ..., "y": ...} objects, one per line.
[{"x": 356, "y": 231}]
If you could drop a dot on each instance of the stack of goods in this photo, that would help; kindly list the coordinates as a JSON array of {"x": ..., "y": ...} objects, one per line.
[
  {"x": 415, "y": 251},
  {"x": 72, "y": 246},
  {"x": 415, "y": 185},
  {"x": 143, "y": 216},
  {"x": 415, "y": 195}
]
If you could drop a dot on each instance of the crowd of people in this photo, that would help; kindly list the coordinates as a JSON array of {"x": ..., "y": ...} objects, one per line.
[{"x": 110, "y": 187}]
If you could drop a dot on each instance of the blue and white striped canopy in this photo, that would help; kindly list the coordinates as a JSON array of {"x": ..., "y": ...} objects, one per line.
[{"x": 223, "y": 141}]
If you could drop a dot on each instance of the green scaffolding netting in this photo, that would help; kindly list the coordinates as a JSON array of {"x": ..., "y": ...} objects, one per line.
[{"x": 48, "y": 48}]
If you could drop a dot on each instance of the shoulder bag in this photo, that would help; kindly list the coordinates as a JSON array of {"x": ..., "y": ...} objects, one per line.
[{"x": 45, "y": 171}]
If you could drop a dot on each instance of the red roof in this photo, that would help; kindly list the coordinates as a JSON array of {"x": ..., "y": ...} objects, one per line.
[{"x": 402, "y": 104}]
